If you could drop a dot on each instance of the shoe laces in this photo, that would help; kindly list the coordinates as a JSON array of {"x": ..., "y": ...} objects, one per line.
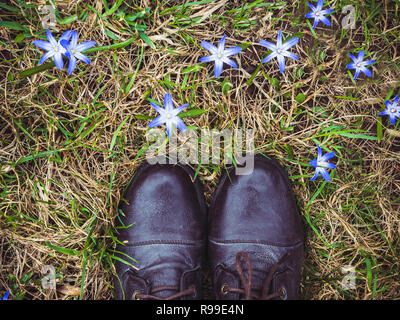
[
  {"x": 247, "y": 282},
  {"x": 140, "y": 296}
]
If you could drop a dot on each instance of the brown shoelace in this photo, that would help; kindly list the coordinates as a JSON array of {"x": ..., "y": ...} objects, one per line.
[
  {"x": 189, "y": 291},
  {"x": 247, "y": 282}
]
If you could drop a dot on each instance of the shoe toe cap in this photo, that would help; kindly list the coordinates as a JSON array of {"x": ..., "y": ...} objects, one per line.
[
  {"x": 162, "y": 203},
  {"x": 258, "y": 207}
]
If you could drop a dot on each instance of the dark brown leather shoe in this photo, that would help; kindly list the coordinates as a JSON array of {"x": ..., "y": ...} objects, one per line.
[
  {"x": 164, "y": 215},
  {"x": 255, "y": 230}
]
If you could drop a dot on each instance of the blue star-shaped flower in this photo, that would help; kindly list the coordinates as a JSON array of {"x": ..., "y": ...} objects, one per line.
[
  {"x": 5, "y": 296},
  {"x": 219, "y": 55},
  {"x": 321, "y": 163},
  {"x": 318, "y": 14},
  {"x": 54, "y": 49},
  {"x": 392, "y": 110},
  {"x": 168, "y": 116},
  {"x": 73, "y": 50},
  {"x": 360, "y": 65},
  {"x": 280, "y": 50}
]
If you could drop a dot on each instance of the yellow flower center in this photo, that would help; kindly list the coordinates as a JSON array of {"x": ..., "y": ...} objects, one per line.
[
  {"x": 219, "y": 55},
  {"x": 55, "y": 48},
  {"x": 169, "y": 115},
  {"x": 393, "y": 110},
  {"x": 358, "y": 64},
  {"x": 317, "y": 14},
  {"x": 73, "y": 50},
  {"x": 279, "y": 50}
]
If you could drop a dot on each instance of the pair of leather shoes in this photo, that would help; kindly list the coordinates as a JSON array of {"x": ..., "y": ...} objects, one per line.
[{"x": 252, "y": 237}]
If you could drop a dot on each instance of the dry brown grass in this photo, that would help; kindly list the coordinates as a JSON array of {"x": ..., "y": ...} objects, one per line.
[{"x": 69, "y": 197}]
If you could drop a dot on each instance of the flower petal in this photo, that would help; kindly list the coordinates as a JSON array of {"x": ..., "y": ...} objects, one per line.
[
  {"x": 169, "y": 128},
  {"x": 320, "y": 5},
  {"x": 72, "y": 64},
  {"x": 157, "y": 108},
  {"x": 313, "y": 163},
  {"x": 326, "y": 11},
  {"x": 47, "y": 55},
  {"x": 368, "y": 62},
  {"x": 158, "y": 121},
  {"x": 316, "y": 174},
  {"x": 310, "y": 15},
  {"x": 279, "y": 39},
  {"x": 392, "y": 118},
  {"x": 281, "y": 62},
  {"x": 269, "y": 45},
  {"x": 67, "y": 54},
  {"x": 290, "y": 55},
  {"x": 66, "y": 44},
  {"x": 43, "y": 45},
  {"x": 327, "y": 156},
  {"x": 311, "y": 6},
  {"x": 328, "y": 165},
  {"x": 230, "y": 62},
  {"x": 210, "y": 47},
  {"x": 207, "y": 59},
  {"x": 232, "y": 51},
  {"x": 85, "y": 45},
  {"x": 325, "y": 174},
  {"x": 58, "y": 60},
  {"x": 361, "y": 55},
  {"x": 74, "y": 39},
  {"x": 51, "y": 39},
  {"x": 66, "y": 36},
  {"x": 269, "y": 57},
  {"x": 168, "y": 104},
  {"x": 82, "y": 57},
  {"x": 290, "y": 43},
  {"x": 325, "y": 20},
  {"x": 352, "y": 57},
  {"x": 384, "y": 113},
  {"x": 179, "y": 123},
  {"x": 351, "y": 66},
  {"x": 356, "y": 74},
  {"x": 180, "y": 109},
  {"x": 396, "y": 101},
  {"x": 315, "y": 23},
  {"x": 218, "y": 68},
  {"x": 366, "y": 71},
  {"x": 319, "y": 152},
  {"x": 221, "y": 44},
  {"x": 388, "y": 104}
]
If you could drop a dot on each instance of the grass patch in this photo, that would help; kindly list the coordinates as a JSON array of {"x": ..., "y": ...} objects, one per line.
[{"x": 70, "y": 144}]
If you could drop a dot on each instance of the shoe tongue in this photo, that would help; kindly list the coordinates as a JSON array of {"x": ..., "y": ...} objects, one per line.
[
  {"x": 259, "y": 273},
  {"x": 257, "y": 280}
]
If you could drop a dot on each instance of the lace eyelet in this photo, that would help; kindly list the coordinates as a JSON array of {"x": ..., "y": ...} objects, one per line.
[
  {"x": 224, "y": 289},
  {"x": 282, "y": 293},
  {"x": 135, "y": 295}
]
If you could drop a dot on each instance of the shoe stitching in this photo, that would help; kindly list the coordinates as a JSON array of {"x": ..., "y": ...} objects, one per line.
[
  {"x": 262, "y": 242},
  {"x": 172, "y": 242}
]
